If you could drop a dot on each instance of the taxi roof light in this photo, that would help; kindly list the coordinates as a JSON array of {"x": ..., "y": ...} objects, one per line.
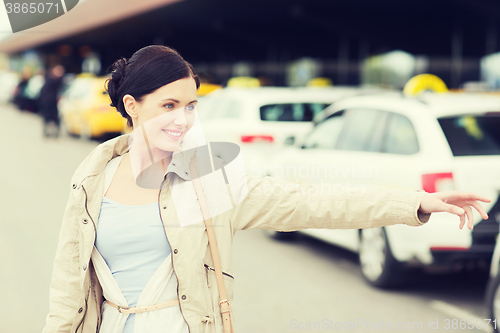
[
  {"x": 243, "y": 82},
  {"x": 424, "y": 82}
]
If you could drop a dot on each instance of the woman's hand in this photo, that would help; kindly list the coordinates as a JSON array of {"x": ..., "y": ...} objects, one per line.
[{"x": 454, "y": 202}]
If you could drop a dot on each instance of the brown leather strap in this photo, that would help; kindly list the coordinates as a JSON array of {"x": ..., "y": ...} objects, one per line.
[
  {"x": 223, "y": 303},
  {"x": 140, "y": 309}
]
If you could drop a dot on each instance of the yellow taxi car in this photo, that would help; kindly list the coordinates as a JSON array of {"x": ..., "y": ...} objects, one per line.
[
  {"x": 206, "y": 88},
  {"x": 85, "y": 111}
]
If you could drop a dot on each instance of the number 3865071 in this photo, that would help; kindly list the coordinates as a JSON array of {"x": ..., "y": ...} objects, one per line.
[{"x": 32, "y": 8}]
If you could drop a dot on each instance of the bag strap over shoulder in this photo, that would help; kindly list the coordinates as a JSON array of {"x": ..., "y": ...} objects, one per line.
[
  {"x": 110, "y": 171},
  {"x": 223, "y": 301}
]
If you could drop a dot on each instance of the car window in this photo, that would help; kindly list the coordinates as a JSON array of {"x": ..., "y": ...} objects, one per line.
[
  {"x": 79, "y": 89},
  {"x": 472, "y": 134},
  {"x": 379, "y": 133},
  {"x": 400, "y": 136},
  {"x": 360, "y": 127},
  {"x": 86, "y": 89},
  {"x": 291, "y": 111},
  {"x": 325, "y": 134}
]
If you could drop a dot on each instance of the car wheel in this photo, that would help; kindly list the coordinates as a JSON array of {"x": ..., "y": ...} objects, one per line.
[
  {"x": 378, "y": 266},
  {"x": 281, "y": 235},
  {"x": 493, "y": 300}
]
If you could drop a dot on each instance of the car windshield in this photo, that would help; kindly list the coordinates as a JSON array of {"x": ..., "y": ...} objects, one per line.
[
  {"x": 291, "y": 111},
  {"x": 470, "y": 135}
]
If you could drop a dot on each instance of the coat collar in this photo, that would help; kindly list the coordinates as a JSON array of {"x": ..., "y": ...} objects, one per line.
[{"x": 96, "y": 161}]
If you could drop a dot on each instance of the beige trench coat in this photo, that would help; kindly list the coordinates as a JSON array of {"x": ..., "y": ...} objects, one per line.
[{"x": 76, "y": 296}]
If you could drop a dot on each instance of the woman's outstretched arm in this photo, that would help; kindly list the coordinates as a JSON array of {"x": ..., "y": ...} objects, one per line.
[{"x": 284, "y": 205}]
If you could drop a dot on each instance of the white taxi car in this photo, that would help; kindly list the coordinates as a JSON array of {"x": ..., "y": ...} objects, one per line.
[{"x": 432, "y": 142}]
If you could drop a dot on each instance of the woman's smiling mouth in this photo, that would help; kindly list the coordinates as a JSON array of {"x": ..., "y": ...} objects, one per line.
[{"x": 173, "y": 134}]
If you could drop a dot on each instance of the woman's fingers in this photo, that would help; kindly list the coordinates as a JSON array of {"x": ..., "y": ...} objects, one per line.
[
  {"x": 470, "y": 218},
  {"x": 475, "y": 204},
  {"x": 462, "y": 220},
  {"x": 465, "y": 199},
  {"x": 480, "y": 209},
  {"x": 458, "y": 203}
]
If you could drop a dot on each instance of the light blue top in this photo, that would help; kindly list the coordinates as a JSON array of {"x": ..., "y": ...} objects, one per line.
[{"x": 132, "y": 241}]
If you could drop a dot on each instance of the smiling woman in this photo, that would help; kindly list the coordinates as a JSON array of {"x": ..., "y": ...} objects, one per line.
[{"x": 126, "y": 262}]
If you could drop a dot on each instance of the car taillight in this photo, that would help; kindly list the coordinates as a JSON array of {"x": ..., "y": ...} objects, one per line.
[
  {"x": 438, "y": 182},
  {"x": 256, "y": 138},
  {"x": 449, "y": 248}
]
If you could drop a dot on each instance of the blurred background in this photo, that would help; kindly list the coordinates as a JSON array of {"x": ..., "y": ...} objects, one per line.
[
  {"x": 400, "y": 94},
  {"x": 358, "y": 42}
]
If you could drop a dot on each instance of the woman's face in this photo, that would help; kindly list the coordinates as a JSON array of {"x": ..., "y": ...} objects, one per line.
[{"x": 167, "y": 114}]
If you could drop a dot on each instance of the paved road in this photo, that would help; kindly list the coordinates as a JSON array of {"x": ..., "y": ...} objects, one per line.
[{"x": 280, "y": 286}]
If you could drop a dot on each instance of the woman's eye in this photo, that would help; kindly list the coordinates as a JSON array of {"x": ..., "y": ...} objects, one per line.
[
  {"x": 169, "y": 106},
  {"x": 190, "y": 107}
]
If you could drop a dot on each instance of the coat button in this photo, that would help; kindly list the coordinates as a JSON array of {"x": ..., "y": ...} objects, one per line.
[
  {"x": 84, "y": 266},
  {"x": 85, "y": 221},
  {"x": 175, "y": 251},
  {"x": 183, "y": 297},
  {"x": 186, "y": 173},
  {"x": 173, "y": 164},
  {"x": 164, "y": 207},
  {"x": 74, "y": 186},
  {"x": 80, "y": 310}
]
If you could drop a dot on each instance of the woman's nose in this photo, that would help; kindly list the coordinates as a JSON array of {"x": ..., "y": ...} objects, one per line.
[{"x": 180, "y": 118}]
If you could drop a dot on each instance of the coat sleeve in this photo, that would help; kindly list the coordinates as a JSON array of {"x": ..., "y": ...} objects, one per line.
[
  {"x": 65, "y": 287},
  {"x": 283, "y": 205}
]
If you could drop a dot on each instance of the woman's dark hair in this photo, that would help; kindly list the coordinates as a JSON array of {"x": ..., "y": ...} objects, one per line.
[{"x": 147, "y": 70}]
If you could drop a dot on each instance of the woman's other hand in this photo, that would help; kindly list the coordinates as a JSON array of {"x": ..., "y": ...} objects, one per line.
[{"x": 454, "y": 202}]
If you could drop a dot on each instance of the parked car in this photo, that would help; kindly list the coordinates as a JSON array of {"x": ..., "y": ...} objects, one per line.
[
  {"x": 85, "y": 110},
  {"x": 433, "y": 142},
  {"x": 261, "y": 120}
]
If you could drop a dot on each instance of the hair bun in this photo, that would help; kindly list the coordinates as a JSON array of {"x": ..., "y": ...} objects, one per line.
[
  {"x": 117, "y": 77},
  {"x": 119, "y": 70}
]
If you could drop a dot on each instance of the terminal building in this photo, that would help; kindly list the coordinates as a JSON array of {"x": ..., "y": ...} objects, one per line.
[{"x": 349, "y": 42}]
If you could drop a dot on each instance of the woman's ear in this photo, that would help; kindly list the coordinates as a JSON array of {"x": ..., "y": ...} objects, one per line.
[{"x": 131, "y": 106}]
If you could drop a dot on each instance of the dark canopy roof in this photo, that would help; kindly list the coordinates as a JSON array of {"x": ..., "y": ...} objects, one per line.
[{"x": 281, "y": 30}]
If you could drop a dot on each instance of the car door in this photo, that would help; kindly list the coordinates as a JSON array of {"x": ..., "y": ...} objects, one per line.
[
  {"x": 398, "y": 152},
  {"x": 378, "y": 149},
  {"x": 338, "y": 158}
]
